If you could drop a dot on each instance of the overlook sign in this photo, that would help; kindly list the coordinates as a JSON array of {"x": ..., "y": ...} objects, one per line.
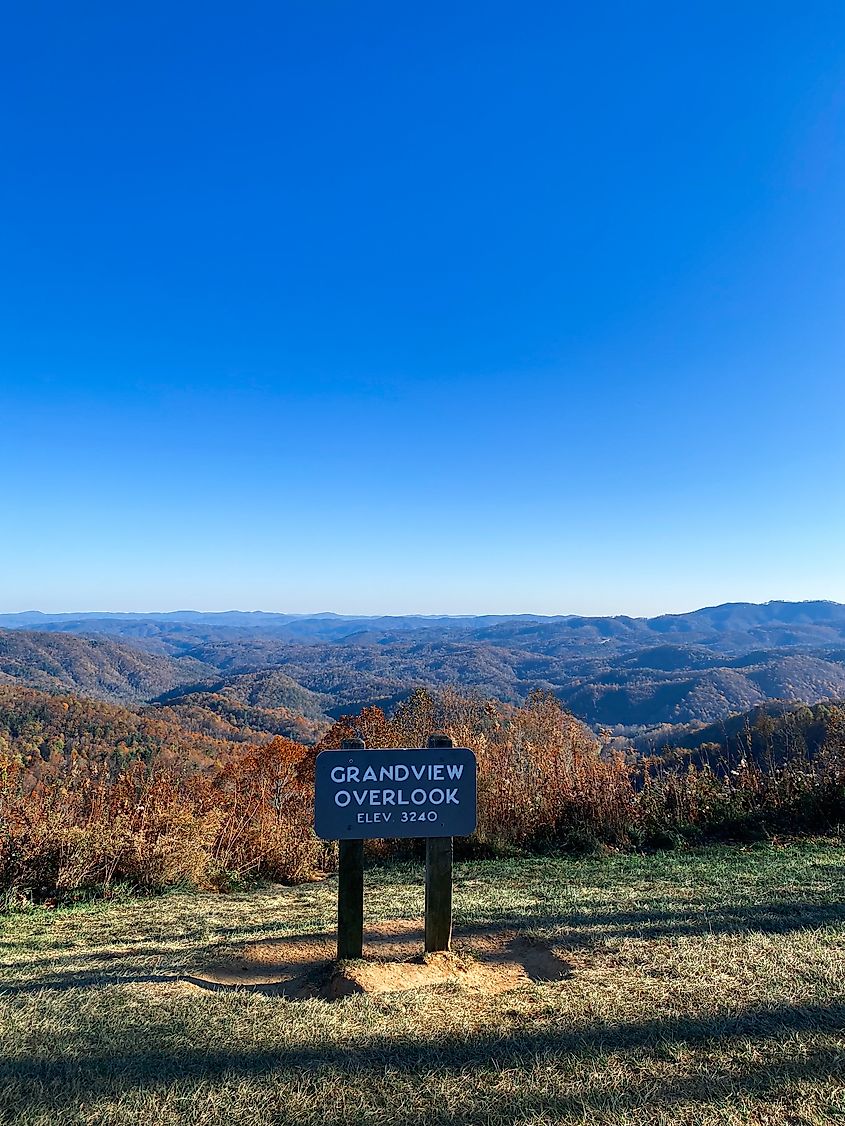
[{"x": 411, "y": 792}]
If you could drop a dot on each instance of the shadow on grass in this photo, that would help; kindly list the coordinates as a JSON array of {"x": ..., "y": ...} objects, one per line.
[
  {"x": 79, "y": 1069},
  {"x": 581, "y": 927},
  {"x": 571, "y": 932},
  {"x": 303, "y": 968},
  {"x": 775, "y": 917}
]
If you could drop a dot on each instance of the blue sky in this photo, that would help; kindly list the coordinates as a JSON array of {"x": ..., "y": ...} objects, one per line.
[{"x": 436, "y": 308}]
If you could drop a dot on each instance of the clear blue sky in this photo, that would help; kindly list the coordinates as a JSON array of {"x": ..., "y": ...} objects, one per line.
[{"x": 428, "y": 307}]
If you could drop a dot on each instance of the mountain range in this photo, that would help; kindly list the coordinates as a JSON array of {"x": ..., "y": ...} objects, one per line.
[{"x": 290, "y": 674}]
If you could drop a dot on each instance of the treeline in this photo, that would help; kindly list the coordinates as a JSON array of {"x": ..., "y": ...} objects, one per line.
[
  {"x": 91, "y": 796},
  {"x": 54, "y": 738},
  {"x": 769, "y": 734},
  {"x": 215, "y": 714}
]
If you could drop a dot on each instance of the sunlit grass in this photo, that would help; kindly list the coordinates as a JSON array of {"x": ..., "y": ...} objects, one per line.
[{"x": 707, "y": 987}]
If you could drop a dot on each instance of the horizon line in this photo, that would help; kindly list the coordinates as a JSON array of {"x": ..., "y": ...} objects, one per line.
[{"x": 411, "y": 614}]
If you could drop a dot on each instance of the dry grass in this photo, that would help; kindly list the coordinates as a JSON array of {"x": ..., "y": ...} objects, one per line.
[
  {"x": 707, "y": 987},
  {"x": 155, "y": 826}
]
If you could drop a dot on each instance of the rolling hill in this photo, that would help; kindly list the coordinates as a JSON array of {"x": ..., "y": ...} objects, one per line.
[
  {"x": 50, "y": 734},
  {"x": 100, "y": 668},
  {"x": 247, "y": 705}
]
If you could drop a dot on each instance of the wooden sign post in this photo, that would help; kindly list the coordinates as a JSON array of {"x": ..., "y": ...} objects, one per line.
[
  {"x": 394, "y": 793},
  {"x": 350, "y": 887},
  {"x": 438, "y": 881}
]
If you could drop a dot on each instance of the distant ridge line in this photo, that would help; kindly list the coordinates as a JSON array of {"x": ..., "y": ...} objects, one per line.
[{"x": 250, "y": 616}]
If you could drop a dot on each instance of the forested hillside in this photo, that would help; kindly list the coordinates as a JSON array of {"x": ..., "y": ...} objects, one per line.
[
  {"x": 670, "y": 686},
  {"x": 769, "y": 735},
  {"x": 49, "y": 736},
  {"x": 99, "y": 667},
  {"x": 249, "y": 704}
]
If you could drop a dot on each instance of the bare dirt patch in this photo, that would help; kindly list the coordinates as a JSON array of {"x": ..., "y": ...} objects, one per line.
[{"x": 303, "y": 966}]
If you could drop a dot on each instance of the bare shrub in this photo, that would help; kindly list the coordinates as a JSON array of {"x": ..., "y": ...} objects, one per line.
[{"x": 268, "y": 800}]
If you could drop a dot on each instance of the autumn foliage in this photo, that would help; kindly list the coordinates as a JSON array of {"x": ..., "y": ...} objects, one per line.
[
  {"x": 156, "y": 825},
  {"x": 92, "y": 795},
  {"x": 546, "y": 781}
]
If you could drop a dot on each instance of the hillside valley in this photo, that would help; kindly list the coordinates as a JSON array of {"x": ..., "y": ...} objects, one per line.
[{"x": 103, "y": 668}]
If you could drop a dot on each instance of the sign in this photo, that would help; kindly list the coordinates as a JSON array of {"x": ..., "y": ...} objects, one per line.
[{"x": 395, "y": 793}]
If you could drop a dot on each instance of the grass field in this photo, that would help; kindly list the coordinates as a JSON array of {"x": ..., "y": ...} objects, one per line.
[{"x": 703, "y": 987}]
